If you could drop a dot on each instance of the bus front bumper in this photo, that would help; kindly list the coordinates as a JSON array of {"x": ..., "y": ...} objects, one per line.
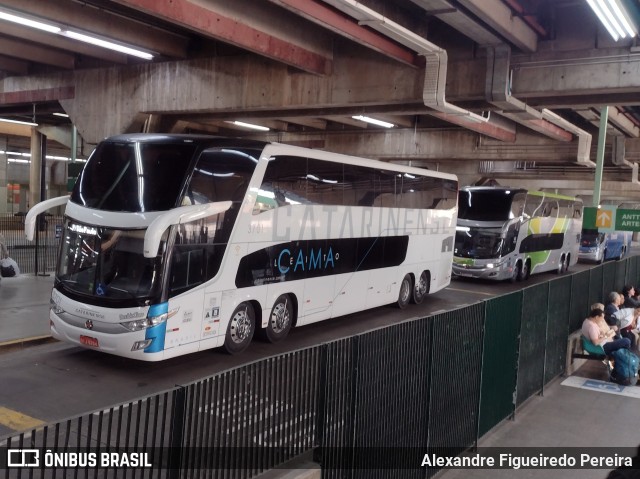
[
  {"x": 591, "y": 256},
  {"x": 498, "y": 273},
  {"x": 117, "y": 344}
]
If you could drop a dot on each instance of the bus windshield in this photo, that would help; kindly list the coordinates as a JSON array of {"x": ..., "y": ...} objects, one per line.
[
  {"x": 485, "y": 205},
  {"x": 107, "y": 263},
  {"x": 591, "y": 238},
  {"x": 478, "y": 243},
  {"x": 134, "y": 176}
]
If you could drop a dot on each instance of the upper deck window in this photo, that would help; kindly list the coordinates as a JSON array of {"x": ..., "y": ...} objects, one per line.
[{"x": 134, "y": 177}]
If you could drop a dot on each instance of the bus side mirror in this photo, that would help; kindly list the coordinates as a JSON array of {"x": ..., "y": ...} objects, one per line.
[
  {"x": 183, "y": 214},
  {"x": 32, "y": 215}
]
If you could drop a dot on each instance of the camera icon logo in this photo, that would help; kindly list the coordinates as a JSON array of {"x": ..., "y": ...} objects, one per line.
[{"x": 23, "y": 458}]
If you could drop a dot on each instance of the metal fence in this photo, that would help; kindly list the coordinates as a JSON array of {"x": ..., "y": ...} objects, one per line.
[
  {"x": 42, "y": 253},
  {"x": 366, "y": 406}
]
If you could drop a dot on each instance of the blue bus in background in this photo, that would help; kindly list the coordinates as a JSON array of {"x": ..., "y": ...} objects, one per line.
[{"x": 599, "y": 247}]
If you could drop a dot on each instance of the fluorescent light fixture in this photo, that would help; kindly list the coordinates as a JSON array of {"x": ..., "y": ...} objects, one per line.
[
  {"x": 106, "y": 44},
  {"x": 623, "y": 17},
  {"x": 63, "y": 115},
  {"x": 83, "y": 37},
  {"x": 6, "y": 120},
  {"x": 615, "y": 18},
  {"x": 248, "y": 125},
  {"x": 29, "y": 23},
  {"x": 18, "y": 160},
  {"x": 373, "y": 121}
]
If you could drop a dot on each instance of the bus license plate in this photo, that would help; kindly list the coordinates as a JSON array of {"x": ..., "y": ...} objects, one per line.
[{"x": 89, "y": 341}]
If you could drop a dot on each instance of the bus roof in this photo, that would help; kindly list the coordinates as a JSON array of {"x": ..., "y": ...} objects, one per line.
[
  {"x": 211, "y": 140},
  {"x": 523, "y": 190}
]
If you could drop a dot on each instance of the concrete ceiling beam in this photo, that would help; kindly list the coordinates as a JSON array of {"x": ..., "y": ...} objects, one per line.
[
  {"x": 326, "y": 17},
  {"x": 623, "y": 123},
  {"x": 236, "y": 31},
  {"x": 13, "y": 65},
  {"x": 446, "y": 12},
  {"x": 49, "y": 56},
  {"x": 500, "y": 17}
]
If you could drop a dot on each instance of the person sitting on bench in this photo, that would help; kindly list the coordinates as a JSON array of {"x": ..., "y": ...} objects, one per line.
[
  {"x": 602, "y": 322},
  {"x": 593, "y": 333}
]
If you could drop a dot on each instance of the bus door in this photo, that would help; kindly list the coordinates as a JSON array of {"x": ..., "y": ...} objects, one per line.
[{"x": 185, "y": 324}]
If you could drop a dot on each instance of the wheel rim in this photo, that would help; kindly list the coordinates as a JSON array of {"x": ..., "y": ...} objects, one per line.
[
  {"x": 421, "y": 286},
  {"x": 405, "y": 291},
  {"x": 516, "y": 272},
  {"x": 280, "y": 317},
  {"x": 240, "y": 326}
]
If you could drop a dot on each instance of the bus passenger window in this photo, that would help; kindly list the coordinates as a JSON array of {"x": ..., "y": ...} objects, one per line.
[
  {"x": 325, "y": 182},
  {"x": 284, "y": 184}
]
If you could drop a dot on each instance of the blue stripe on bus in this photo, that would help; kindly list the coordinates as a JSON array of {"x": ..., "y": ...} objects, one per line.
[{"x": 156, "y": 333}]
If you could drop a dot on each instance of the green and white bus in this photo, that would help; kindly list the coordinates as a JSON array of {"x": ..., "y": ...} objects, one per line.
[{"x": 506, "y": 233}]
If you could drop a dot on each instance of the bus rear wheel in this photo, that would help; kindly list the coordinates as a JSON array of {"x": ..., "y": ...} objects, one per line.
[
  {"x": 421, "y": 288},
  {"x": 562, "y": 265},
  {"x": 240, "y": 329},
  {"x": 404, "y": 296},
  {"x": 280, "y": 319}
]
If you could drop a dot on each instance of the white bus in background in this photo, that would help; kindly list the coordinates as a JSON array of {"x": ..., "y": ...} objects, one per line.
[
  {"x": 510, "y": 233},
  {"x": 175, "y": 243}
]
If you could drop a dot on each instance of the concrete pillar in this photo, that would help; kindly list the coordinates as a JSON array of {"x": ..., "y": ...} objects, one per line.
[
  {"x": 35, "y": 167},
  {"x": 3, "y": 176}
]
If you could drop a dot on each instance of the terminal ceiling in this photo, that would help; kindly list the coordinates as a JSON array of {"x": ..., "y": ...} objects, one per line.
[{"x": 506, "y": 91}]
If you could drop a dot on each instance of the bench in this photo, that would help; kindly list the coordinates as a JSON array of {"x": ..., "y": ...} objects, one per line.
[{"x": 580, "y": 350}]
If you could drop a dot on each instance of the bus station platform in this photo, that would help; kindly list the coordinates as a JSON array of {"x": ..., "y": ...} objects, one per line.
[{"x": 24, "y": 310}]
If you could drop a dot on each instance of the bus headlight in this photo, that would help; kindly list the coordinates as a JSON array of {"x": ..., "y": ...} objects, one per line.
[
  {"x": 136, "y": 324},
  {"x": 490, "y": 265},
  {"x": 157, "y": 314},
  {"x": 55, "y": 307}
]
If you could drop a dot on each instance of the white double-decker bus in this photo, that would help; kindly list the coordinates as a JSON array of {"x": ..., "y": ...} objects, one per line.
[
  {"x": 510, "y": 233},
  {"x": 175, "y": 243}
]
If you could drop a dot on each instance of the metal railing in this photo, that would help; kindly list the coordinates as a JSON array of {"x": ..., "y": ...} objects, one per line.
[
  {"x": 367, "y": 406},
  {"x": 41, "y": 253}
]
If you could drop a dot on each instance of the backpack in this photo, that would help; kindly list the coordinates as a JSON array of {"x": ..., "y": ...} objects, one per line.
[
  {"x": 8, "y": 268},
  {"x": 625, "y": 369}
]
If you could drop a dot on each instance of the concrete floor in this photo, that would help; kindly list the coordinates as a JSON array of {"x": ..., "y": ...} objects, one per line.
[
  {"x": 24, "y": 307},
  {"x": 568, "y": 419}
]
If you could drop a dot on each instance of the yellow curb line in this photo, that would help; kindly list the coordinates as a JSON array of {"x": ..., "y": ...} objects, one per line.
[{"x": 17, "y": 421}]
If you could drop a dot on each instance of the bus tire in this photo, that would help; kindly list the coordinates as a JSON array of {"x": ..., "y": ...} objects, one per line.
[
  {"x": 567, "y": 263},
  {"x": 404, "y": 296},
  {"x": 524, "y": 271},
  {"x": 421, "y": 288},
  {"x": 561, "y": 265},
  {"x": 240, "y": 329},
  {"x": 280, "y": 319},
  {"x": 515, "y": 276}
]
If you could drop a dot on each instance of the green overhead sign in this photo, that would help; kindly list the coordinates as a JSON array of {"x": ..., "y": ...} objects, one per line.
[{"x": 609, "y": 218}]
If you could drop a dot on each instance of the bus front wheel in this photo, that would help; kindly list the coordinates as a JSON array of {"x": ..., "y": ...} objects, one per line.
[
  {"x": 515, "y": 275},
  {"x": 280, "y": 319},
  {"x": 404, "y": 296},
  {"x": 524, "y": 271},
  {"x": 240, "y": 330}
]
